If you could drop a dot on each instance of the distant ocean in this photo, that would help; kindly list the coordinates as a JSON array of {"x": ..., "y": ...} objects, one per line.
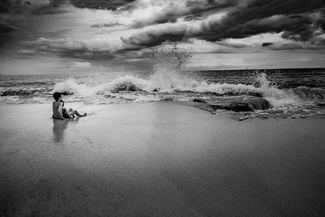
[{"x": 300, "y": 91}]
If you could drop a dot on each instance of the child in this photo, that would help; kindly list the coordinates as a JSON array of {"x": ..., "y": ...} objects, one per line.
[{"x": 59, "y": 112}]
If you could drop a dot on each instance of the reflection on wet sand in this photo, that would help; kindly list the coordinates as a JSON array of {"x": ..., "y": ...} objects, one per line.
[{"x": 59, "y": 128}]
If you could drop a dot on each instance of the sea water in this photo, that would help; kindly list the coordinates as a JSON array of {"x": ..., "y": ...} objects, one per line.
[{"x": 291, "y": 92}]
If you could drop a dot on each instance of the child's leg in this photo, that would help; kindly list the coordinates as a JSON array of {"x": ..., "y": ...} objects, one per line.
[
  {"x": 75, "y": 112},
  {"x": 71, "y": 112},
  {"x": 65, "y": 113}
]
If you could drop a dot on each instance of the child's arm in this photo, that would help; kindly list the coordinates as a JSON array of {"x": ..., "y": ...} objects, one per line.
[{"x": 60, "y": 110}]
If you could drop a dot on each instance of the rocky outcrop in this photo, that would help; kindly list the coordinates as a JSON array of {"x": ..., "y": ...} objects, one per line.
[
  {"x": 320, "y": 104},
  {"x": 241, "y": 104},
  {"x": 199, "y": 100},
  {"x": 166, "y": 99}
]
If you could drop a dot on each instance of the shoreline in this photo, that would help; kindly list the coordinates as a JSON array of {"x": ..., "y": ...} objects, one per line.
[{"x": 158, "y": 159}]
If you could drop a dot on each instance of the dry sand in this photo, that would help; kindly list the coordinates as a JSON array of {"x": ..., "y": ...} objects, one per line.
[{"x": 158, "y": 159}]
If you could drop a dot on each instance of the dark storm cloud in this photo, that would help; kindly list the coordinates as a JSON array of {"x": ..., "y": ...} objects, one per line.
[
  {"x": 298, "y": 20},
  {"x": 7, "y": 24},
  {"x": 153, "y": 37},
  {"x": 265, "y": 44},
  {"x": 200, "y": 6},
  {"x": 191, "y": 10},
  {"x": 169, "y": 14},
  {"x": 265, "y": 16},
  {"x": 39, "y": 7},
  {"x": 102, "y": 4},
  {"x": 227, "y": 28},
  {"x": 12, "y": 6},
  {"x": 10, "y": 9},
  {"x": 288, "y": 46},
  {"x": 4, "y": 6},
  {"x": 292, "y": 46},
  {"x": 84, "y": 49},
  {"x": 103, "y": 25},
  {"x": 6, "y": 28},
  {"x": 53, "y": 7}
]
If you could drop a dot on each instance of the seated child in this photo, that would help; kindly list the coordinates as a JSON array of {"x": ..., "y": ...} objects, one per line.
[{"x": 61, "y": 113}]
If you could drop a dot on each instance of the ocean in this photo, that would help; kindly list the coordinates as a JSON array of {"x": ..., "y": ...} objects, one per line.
[{"x": 292, "y": 93}]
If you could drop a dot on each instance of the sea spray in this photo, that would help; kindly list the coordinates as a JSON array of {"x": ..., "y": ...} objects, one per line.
[
  {"x": 125, "y": 83},
  {"x": 168, "y": 63},
  {"x": 271, "y": 92},
  {"x": 71, "y": 86}
]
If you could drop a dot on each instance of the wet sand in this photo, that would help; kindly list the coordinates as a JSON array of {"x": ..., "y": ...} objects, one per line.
[{"x": 158, "y": 159}]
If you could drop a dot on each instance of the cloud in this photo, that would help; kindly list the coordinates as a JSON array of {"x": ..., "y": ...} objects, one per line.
[
  {"x": 81, "y": 64},
  {"x": 6, "y": 23},
  {"x": 172, "y": 11},
  {"x": 289, "y": 45},
  {"x": 301, "y": 20},
  {"x": 13, "y": 12},
  {"x": 168, "y": 14},
  {"x": 26, "y": 52},
  {"x": 4, "y": 6},
  {"x": 4, "y": 28},
  {"x": 226, "y": 26},
  {"x": 103, "y": 25},
  {"x": 233, "y": 44},
  {"x": 227, "y": 46},
  {"x": 265, "y": 44},
  {"x": 155, "y": 36},
  {"x": 103, "y": 4},
  {"x": 50, "y": 7},
  {"x": 229, "y": 27},
  {"x": 86, "y": 49}
]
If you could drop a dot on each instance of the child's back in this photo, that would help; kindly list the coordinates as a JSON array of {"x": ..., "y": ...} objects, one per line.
[{"x": 56, "y": 106}]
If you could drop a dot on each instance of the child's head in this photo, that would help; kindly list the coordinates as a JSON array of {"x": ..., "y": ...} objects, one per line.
[{"x": 57, "y": 96}]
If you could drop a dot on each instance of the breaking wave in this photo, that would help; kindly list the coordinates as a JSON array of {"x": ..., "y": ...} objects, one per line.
[
  {"x": 166, "y": 82},
  {"x": 174, "y": 82}
]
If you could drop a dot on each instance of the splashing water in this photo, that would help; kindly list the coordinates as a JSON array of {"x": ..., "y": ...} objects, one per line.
[
  {"x": 167, "y": 79},
  {"x": 275, "y": 96}
]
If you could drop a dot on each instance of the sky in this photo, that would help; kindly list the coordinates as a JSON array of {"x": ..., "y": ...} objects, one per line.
[{"x": 78, "y": 36}]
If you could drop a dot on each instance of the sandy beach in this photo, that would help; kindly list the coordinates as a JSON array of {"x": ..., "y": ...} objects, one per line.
[{"x": 158, "y": 159}]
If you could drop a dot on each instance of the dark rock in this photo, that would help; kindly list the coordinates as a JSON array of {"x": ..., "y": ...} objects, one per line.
[
  {"x": 241, "y": 106},
  {"x": 258, "y": 103},
  {"x": 238, "y": 105},
  {"x": 199, "y": 100},
  {"x": 256, "y": 94},
  {"x": 320, "y": 103},
  {"x": 166, "y": 99}
]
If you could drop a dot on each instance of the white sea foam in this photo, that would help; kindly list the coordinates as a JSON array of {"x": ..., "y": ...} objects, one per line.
[
  {"x": 170, "y": 81},
  {"x": 72, "y": 86}
]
